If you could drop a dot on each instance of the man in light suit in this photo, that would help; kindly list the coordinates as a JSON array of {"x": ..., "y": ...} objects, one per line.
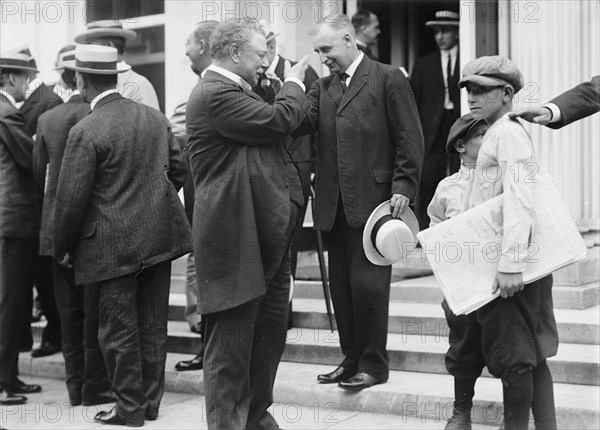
[
  {"x": 247, "y": 200},
  {"x": 369, "y": 150},
  {"x": 120, "y": 222},
  {"x": 572, "y": 105},
  {"x": 18, "y": 222},
  {"x": 86, "y": 376},
  {"x": 434, "y": 81}
]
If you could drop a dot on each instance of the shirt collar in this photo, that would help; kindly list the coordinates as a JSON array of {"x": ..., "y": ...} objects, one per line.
[
  {"x": 452, "y": 51},
  {"x": 352, "y": 68},
  {"x": 229, "y": 75},
  {"x": 101, "y": 96},
  {"x": 273, "y": 65},
  {"x": 361, "y": 43},
  {"x": 10, "y": 98}
]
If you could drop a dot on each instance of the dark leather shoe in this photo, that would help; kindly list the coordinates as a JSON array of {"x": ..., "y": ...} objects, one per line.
[
  {"x": 195, "y": 363},
  {"x": 197, "y": 328},
  {"x": 336, "y": 376},
  {"x": 20, "y": 387},
  {"x": 111, "y": 417},
  {"x": 7, "y": 397},
  {"x": 360, "y": 381},
  {"x": 98, "y": 399},
  {"x": 46, "y": 348}
]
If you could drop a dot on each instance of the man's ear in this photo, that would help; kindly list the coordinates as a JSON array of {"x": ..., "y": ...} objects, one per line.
[
  {"x": 234, "y": 52},
  {"x": 459, "y": 145},
  {"x": 202, "y": 47},
  {"x": 348, "y": 39}
]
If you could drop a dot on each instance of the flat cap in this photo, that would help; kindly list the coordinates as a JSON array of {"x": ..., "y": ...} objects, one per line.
[
  {"x": 490, "y": 71},
  {"x": 462, "y": 128}
]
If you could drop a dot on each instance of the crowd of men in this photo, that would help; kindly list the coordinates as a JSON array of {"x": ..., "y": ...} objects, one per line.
[{"x": 90, "y": 201}]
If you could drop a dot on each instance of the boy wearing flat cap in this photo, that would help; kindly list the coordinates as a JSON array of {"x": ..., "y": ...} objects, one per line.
[
  {"x": 464, "y": 360},
  {"x": 518, "y": 329}
]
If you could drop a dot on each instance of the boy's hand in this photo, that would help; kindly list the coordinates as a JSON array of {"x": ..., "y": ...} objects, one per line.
[
  {"x": 398, "y": 203},
  {"x": 508, "y": 284}
]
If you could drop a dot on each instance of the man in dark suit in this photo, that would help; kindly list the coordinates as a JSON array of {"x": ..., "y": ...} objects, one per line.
[
  {"x": 572, "y": 105},
  {"x": 434, "y": 81},
  {"x": 120, "y": 222},
  {"x": 18, "y": 222},
  {"x": 370, "y": 149},
  {"x": 38, "y": 99},
  {"x": 86, "y": 376},
  {"x": 247, "y": 203},
  {"x": 366, "y": 28}
]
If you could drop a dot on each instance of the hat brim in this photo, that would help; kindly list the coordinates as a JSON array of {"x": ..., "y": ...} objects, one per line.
[
  {"x": 120, "y": 69},
  {"x": 96, "y": 33},
  {"x": 442, "y": 24},
  {"x": 371, "y": 253},
  {"x": 483, "y": 81},
  {"x": 272, "y": 36},
  {"x": 24, "y": 68}
]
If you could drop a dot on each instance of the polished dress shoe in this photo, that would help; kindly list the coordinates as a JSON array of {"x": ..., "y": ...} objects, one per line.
[
  {"x": 46, "y": 348},
  {"x": 336, "y": 376},
  {"x": 195, "y": 363},
  {"x": 20, "y": 387},
  {"x": 111, "y": 417},
  {"x": 7, "y": 397},
  {"x": 99, "y": 399},
  {"x": 360, "y": 381},
  {"x": 197, "y": 328}
]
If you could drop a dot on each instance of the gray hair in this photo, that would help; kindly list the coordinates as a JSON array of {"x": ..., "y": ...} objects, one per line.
[
  {"x": 203, "y": 31},
  {"x": 237, "y": 31},
  {"x": 337, "y": 22}
]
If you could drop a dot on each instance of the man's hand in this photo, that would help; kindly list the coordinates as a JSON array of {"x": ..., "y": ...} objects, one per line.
[
  {"x": 537, "y": 115},
  {"x": 398, "y": 203},
  {"x": 66, "y": 261},
  {"x": 297, "y": 71},
  {"x": 508, "y": 284}
]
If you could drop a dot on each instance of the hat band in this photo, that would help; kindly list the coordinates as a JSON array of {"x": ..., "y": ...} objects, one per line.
[
  {"x": 97, "y": 65},
  {"x": 376, "y": 228},
  {"x": 68, "y": 57},
  {"x": 446, "y": 18},
  {"x": 7, "y": 62}
]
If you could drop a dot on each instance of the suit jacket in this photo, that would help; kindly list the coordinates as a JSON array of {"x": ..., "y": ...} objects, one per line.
[
  {"x": 51, "y": 138},
  {"x": 578, "y": 102},
  {"x": 177, "y": 121},
  {"x": 117, "y": 208},
  {"x": 370, "y": 143},
  {"x": 242, "y": 180},
  {"x": 18, "y": 211},
  {"x": 427, "y": 82},
  {"x": 42, "y": 99}
]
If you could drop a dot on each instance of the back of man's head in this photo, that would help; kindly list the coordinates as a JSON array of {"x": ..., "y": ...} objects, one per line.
[
  {"x": 232, "y": 32},
  {"x": 360, "y": 18},
  {"x": 203, "y": 31}
]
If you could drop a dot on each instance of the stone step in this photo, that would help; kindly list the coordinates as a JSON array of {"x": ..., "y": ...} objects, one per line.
[
  {"x": 574, "y": 326},
  {"x": 408, "y": 399},
  {"x": 574, "y": 363}
]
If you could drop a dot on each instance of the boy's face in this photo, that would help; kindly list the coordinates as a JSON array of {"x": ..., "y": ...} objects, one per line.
[
  {"x": 473, "y": 143},
  {"x": 485, "y": 102}
]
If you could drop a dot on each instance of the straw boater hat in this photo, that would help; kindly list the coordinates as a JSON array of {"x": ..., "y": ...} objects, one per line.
[
  {"x": 270, "y": 33},
  {"x": 386, "y": 238},
  {"x": 12, "y": 60},
  {"x": 105, "y": 28},
  {"x": 97, "y": 60},
  {"x": 64, "y": 59},
  {"x": 444, "y": 18}
]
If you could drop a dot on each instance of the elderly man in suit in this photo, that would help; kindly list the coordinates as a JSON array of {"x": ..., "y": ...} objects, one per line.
[
  {"x": 86, "y": 376},
  {"x": 434, "y": 81},
  {"x": 572, "y": 105},
  {"x": 370, "y": 149},
  {"x": 120, "y": 222},
  {"x": 18, "y": 222},
  {"x": 40, "y": 98},
  {"x": 130, "y": 84},
  {"x": 366, "y": 29},
  {"x": 247, "y": 200}
]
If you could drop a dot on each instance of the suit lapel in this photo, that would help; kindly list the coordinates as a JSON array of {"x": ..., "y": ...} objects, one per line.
[{"x": 358, "y": 81}]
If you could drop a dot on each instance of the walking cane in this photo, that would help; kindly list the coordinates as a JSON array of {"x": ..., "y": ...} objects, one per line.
[{"x": 321, "y": 255}]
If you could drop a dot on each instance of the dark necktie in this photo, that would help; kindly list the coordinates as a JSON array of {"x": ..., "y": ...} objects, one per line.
[
  {"x": 449, "y": 73},
  {"x": 343, "y": 78}
]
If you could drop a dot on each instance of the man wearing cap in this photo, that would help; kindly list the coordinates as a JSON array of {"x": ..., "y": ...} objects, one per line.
[
  {"x": 197, "y": 48},
  {"x": 86, "y": 376},
  {"x": 119, "y": 222},
  {"x": 131, "y": 85},
  {"x": 434, "y": 81},
  {"x": 572, "y": 105},
  {"x": 366, "y": 26},
  {"x": 369, "y": 150},
  {"x": 18, "y": 222}
]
